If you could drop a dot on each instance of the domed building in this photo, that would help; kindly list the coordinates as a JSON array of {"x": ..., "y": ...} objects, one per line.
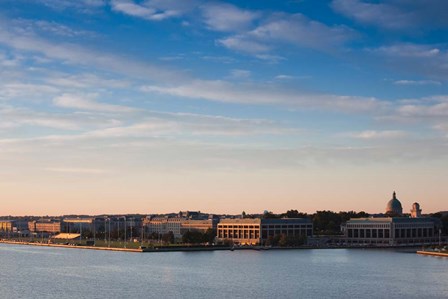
[{"x": 394, "y": 206}]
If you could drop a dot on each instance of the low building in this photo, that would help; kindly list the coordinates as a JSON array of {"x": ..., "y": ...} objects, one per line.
[
  {"x": 7, "y": 225},
  {"x": 50, "y": 226},
  {"x": 176, "y": 224},
  {"x": 393, "y": 231},
  {"x": 198, "y": 225},
  {"x": 164, "y": 225},
  {"x": 258, "y": 231}
]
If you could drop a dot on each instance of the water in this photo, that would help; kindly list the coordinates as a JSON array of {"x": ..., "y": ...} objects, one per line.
[{"x": 40, "y": 272}]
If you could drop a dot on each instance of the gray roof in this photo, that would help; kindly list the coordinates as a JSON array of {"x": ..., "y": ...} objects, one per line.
[{"x": 393, "y": 219}]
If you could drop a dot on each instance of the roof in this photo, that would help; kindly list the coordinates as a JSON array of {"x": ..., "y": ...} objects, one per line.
[
  {"x": 392, "y": 219},
  {"x": 267, "y": 221},
  {"x": 67, "y": 236},
  {"x": 285, "y": 220}
]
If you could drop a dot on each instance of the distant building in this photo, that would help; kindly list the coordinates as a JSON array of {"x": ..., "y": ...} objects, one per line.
[
  {"x": 416, "y": 212},
  {"x": 50, "y": 226},
  {"x": 393, "y": 231},
  {"x": 257, "y": 231},
  {"x": 6, "y": 225},
  {"x": 198, "y": 225},
  {"x": 164, "y": 225},
  {"x": 14, "y": 225},
  {"x": 177, "y": 224}
]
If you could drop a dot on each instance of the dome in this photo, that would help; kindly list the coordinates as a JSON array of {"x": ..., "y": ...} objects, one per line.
[
  {"x": 416, "y": 206},
  {"x": 394, "y": 206}
]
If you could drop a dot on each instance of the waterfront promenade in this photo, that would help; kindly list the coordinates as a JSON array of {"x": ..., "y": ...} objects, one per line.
[
  {"x": 189, "y": 248},
  {"x": 433, "y": 253}
]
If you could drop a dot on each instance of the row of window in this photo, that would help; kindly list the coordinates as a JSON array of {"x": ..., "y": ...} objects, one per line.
[
  {"x": 271, "y": 226},
  {"x": 385, "y": 233}
]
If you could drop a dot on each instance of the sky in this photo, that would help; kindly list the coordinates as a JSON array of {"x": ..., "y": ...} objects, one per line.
[{"x": 124, "y": 106}]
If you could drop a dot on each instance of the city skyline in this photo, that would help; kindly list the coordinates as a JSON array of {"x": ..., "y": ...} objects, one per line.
[{"x": 155, "y": 106}]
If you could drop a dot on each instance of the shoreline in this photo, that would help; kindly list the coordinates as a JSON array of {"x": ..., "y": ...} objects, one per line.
[
  {"x": 431, "y": 253},
  {"x": 207, "y": 248}
]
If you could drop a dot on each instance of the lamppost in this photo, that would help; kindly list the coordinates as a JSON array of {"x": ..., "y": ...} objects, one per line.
[
  {"x": 109, "y": 232},
  {"x": 94, "y": 231},
  {"x": 105, "y": 231}
]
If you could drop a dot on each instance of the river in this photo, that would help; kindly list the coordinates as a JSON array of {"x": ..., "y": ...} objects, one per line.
[{"x": 43, "y": 272}]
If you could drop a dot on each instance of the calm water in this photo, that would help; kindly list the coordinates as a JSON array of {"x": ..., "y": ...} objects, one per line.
[{"x": 35, "y": 272}]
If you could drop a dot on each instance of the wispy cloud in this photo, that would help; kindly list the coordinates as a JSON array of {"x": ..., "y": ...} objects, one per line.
[
  {"x": 240, "y": 74},
  {"x": 378, "y": 14},
  {"x": 374, "y": 134},
  {"x": 74, "y": 54},
  {"x": 423, "y": 60},
  {"x": 84, "y": 6},
  {"x": 227, "y": 17},
  {"x": 395, "y": 15},
  {"x": 87, "y": 102},
  {"x": 294, "y": 29},
  {"x": 153, "y": 10},
  {"x": 417, "y": 82},
  {"x": 223, "y": 91},
  {"x": 76, "y": 170}
]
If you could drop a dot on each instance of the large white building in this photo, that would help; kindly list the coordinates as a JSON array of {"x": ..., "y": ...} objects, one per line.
[
  {"x": 393, "y": 231},
  {"x": 258, "y": 231}
]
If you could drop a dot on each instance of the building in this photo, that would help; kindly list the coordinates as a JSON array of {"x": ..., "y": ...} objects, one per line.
[
  {"x": 164, "y": 225},
  {"x": 257, "y": 231},
  {"x": 71, "y": 225},
  {"x": 175, "y": 223},
  {"x": 6, "y": 225},
  {"x": 416, "y": 212},
  {"x": 198, "y": 225},
  {"x": 393, "y": 231},
  {"x": 13, "y": 225},
  {"x": 50, "y": 226}
]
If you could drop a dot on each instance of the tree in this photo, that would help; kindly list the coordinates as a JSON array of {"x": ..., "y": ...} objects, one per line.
[
  {"x": 294, "y": 214},
  {"x": 210, "y": 235},
  {"x": 193, "y": 237},
  {"x": 270, "y": 215},
  {"x": 168, "y": 237}
]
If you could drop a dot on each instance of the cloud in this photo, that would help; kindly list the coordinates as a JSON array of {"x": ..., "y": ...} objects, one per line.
[
  {"x": 433, "y": 110},
  {"x": 155, "y": 10},
  {"x": 11, "y": 117},
  {"x": 55, "y": 28},
  {"x": 373, "y": 134},
  {"x": 295, "y": 29},
  {"x": 228, "y": 18},
  {"x": 223, "y": 91},
  {"x": 87, "y": 102},
  {"x": 17, "y": 90},
  {"x": 83, "y": 6},
  {"x": 76, "y": 170},
  {"x": 395, "y": 14},
  {"x": 419, "y": 59},
  {"x": 378, "y": 14},
  {"x": 73, "y": 54},
  {"x": 417, "y": 82},
  {"x": 409, "y": 51},
  {"x": 243, "y": 43},
  {"x": 240, "y": 74}
]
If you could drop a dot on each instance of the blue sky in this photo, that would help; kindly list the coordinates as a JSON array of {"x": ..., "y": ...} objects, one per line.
[{"x": 222, "y": 106}]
